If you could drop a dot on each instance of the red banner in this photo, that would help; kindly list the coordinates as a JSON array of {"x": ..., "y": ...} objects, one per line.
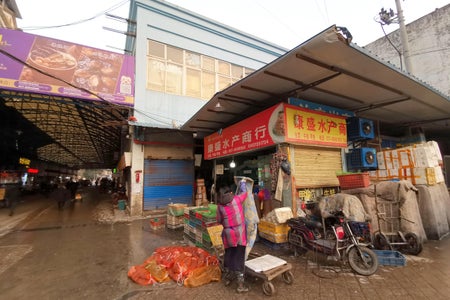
[{"x": 258, "y": 131}]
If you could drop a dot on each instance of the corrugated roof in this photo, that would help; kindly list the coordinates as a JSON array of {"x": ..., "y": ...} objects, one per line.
[{"x": 328, "y": 69}]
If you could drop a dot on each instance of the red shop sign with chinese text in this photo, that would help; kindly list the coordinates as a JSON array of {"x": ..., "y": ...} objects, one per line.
[
  {"x": 258, "y": 131},
  {"x": 278, "y": 124}
]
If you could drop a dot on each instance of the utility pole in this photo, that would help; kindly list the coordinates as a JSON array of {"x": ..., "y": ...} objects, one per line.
[{"x": 404, "y": 38}]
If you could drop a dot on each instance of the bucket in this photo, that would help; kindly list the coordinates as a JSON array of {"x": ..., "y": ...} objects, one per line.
[{"x": 122, "y": 204}]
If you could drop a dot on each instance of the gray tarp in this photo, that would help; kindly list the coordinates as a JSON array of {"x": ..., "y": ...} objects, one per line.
[{"x": 399, "y": 203}]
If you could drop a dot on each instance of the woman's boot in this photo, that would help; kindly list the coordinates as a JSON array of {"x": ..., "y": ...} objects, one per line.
[
  {"x": 228, "y": 277},
  {"x": 241, "y": 287}
]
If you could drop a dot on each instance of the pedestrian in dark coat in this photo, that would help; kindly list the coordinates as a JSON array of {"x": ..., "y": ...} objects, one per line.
[{"x": 61, "y": 195}]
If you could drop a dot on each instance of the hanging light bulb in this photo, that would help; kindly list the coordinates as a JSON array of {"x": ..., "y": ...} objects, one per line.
[
  {"x": 219, "y": 107},
  {"x": 232, "y": 163}
]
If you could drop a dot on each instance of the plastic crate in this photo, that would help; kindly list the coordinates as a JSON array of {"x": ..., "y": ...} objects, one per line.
[
  {"x": 269, "y": 227},
  {"x": 176, "y": 209},
  {"x": 352, "y": 181},
  {"x": 390, "y": 258}
]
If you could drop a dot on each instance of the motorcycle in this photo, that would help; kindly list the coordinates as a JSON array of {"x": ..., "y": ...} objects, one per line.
[{"x": 304, "y": 235}]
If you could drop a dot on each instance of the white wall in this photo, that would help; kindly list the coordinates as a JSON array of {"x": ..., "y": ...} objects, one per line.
[{"x": 170, "y": 24}]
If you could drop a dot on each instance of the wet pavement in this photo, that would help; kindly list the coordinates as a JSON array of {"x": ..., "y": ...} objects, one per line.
[{"x": 85, "y": 251}]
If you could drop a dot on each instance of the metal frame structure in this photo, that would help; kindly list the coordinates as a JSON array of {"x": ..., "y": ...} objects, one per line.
[{"x": 68, "y": 131}]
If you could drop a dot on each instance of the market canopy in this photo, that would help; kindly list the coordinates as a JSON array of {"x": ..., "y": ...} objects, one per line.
[{"x": 329, "y": 70}]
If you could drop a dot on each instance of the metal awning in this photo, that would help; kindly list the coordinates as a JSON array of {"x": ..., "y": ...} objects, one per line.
[
  {"x": 70, "y": 132},
  {"x": 328, "y": 69}
]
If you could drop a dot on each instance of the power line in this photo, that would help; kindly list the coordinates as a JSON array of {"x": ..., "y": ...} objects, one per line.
[
  {"x": 30, "y": 28},
  {"x": 114, "y": 105}
]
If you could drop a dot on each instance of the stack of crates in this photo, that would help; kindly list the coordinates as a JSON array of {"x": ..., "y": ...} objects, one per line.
[
  {"x": 197, "y": 221},
  {"x": 200, "y": 197},
  {"x": 175, "y": 215}
]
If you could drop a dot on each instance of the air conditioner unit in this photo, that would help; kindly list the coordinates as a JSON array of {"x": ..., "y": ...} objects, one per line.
[
  {"x": 359, "y": 129},
  {"x": 361, "y": 159}
]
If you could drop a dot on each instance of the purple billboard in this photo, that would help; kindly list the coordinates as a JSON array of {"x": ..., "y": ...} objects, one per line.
[{"x": 37, "y": 64}]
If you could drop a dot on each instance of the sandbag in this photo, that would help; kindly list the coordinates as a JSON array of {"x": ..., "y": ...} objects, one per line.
[
  {"x": 140, "y": 275},
  {"x": 203, "y": 275}
]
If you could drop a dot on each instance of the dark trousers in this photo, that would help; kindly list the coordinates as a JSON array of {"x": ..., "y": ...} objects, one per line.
[
  {"x": 61, "y": 204},
  {"x": 234, "y": 259}
]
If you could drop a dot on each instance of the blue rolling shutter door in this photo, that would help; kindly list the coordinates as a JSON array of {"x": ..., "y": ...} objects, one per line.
[{"x": 168, "y": 181}]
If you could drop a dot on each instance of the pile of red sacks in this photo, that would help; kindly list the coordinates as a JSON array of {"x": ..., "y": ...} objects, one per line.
[{"x": 189, "y": 265}]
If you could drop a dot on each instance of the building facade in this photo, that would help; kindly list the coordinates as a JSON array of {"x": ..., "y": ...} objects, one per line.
[{"x": 182, "y": 60}]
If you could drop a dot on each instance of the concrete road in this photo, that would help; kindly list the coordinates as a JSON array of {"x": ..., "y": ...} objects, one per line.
[{"x": 69, "y": 254}]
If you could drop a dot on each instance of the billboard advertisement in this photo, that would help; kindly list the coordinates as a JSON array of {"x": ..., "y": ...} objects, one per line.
[
  {"x": 282, "y": 123},
  {"x": 37, "y": 64}
]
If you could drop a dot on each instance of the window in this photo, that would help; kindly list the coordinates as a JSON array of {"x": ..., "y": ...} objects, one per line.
[
  {"x": 176, "y": 71},
  {"x": 174, "y": 55},
  {"x": 174, "y": 79},
  {"x": 155, "y": 49},
  {"x": 193, "y": 83},
  {"x": 224, "y": 68},
  {"x": 208, "y": 64},
  {"x": 208, "y": 85},
  {"x": 155, "y": 75}
]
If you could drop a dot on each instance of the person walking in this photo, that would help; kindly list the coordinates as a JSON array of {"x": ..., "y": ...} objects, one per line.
[
  {"x": 61, "y": 195},
  {"x": 230, "y": 214}
]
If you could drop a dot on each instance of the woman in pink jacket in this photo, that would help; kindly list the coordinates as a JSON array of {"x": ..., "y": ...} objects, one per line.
[{"x": 230, "y": 214}]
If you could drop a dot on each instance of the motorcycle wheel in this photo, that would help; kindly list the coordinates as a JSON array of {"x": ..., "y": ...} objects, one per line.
[
  {"x": 413, "y": 246},
  {"x": 380, "y": 242},
  {"x": 366, "y": 265},
  {"x": 292, "y": 242}
]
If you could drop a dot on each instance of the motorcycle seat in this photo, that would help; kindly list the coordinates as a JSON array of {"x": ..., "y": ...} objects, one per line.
[{"x": 313, "y": 224}]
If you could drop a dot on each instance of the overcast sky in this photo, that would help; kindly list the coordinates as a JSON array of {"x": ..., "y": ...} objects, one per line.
[{"x": 287, "y": 23}]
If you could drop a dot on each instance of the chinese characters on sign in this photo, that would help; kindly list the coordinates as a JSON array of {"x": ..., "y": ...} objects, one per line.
[
  {"x": 316, "y": 128},
  {"x": 278, "y": 124},
  {"x": 54, "y": 67},
  {"x": 251, "y": 133}
]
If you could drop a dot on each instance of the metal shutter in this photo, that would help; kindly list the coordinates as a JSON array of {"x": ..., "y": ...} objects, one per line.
[{"x": 167, "y": 181}]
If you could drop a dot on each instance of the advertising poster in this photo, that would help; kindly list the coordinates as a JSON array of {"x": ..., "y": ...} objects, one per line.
[{"x": 37, "y": 64}]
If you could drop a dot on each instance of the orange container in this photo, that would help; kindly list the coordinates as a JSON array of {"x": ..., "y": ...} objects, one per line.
[{"x": 352, "y": 181}]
